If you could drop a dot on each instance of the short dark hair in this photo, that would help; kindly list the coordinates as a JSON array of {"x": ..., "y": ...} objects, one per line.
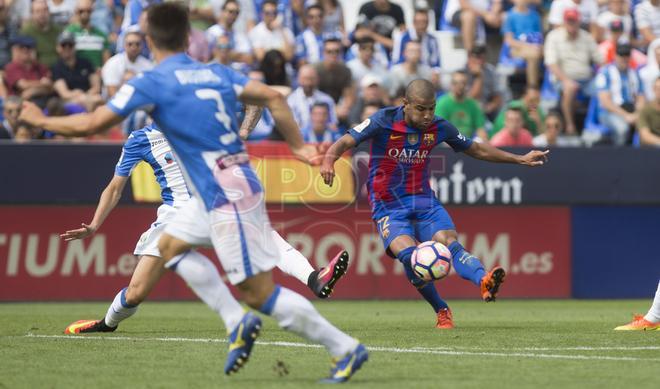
[
  {"x": 271, "y": 2},
  {"x": 169, "y": 26},
  {"x": 315, "y": 6},
  {"x": 420, "y": 88},
  {"x": 235, "y": 2},
  {"x": 515, "y": 109},
  {"x": 320, "y": 104}
]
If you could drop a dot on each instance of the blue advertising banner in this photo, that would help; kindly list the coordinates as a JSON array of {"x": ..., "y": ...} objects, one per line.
[{"x": 615, "y": 251}]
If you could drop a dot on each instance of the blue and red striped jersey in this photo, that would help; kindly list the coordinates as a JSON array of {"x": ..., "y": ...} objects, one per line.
[{"x": 400, "y": 155}]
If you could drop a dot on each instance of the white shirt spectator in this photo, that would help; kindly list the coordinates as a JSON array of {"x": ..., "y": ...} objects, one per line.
[
  {"x": 588, "y": 11},
  {"x": 574, "y": 57},
  {"x": 455, "y": 5},
  {"x": 61, "y": 13},
  {"x": 359, "y": 70},
  {"x": 262, "y": 37},
  {"x": 648, "y": 15},
  {"x": 301, "y": 106},
  {"x": 239, "y": 40},
  {"x": 247, "y": 13},
  {"x": 400, "y": 78},
  {"x": 114, "y": 69},
  {"x": 651, "y": 71}
]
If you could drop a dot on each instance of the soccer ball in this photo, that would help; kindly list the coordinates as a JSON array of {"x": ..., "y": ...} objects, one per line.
[{"x": 431, "y": 261}]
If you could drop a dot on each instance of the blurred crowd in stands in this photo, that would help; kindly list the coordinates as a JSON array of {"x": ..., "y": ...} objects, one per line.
[{"x": 513, "y": 73}]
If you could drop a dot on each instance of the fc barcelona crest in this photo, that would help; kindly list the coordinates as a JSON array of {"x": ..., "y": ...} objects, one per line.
[
  {"x": 429, "y": 139},
  {"x": 413, "y": 139}
]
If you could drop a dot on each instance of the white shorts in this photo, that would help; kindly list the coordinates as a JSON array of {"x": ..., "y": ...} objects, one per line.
[
  {"x": 148, "y": 243},
  {"x": 239, "y": 232}
]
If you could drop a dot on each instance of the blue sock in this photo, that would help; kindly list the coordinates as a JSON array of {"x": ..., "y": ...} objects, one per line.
[
  {"x": 428, "y": 290},
  {"x": 467, "y": 265}
]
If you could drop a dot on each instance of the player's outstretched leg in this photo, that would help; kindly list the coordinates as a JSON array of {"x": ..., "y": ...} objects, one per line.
[
  {"x": 203, "y": 278},
  {"x": 296, "y": 314},
  {"x": 322, "y": 281},
  {"x": 648, "y": 322},
  {"x": 145, "y": 276},
  {"x": 427, "y": 290},
  {"x": 470, "y": 268}
]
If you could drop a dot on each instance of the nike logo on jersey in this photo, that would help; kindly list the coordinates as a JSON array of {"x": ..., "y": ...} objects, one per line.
[{"x": 396, "y": 136}]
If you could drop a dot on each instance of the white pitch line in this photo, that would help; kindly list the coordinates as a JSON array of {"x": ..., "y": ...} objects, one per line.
[
  {"x": 371, "y": 348},
  {"x": 575, "y": 348}
]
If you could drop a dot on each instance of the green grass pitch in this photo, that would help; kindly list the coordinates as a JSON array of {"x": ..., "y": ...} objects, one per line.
[{"x": 507, "y": 344}]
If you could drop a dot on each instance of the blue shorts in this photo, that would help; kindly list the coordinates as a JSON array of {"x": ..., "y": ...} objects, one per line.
[{"x": 417, "y": 216}]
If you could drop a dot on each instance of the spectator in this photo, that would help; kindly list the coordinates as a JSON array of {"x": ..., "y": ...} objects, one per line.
[
  {"x": 25, "y": 76},
  {"x": 587, "y": 11},
  {"x": 523, "y": 32},
  {"x": 246, "y": 18},
  {"x": 318, "y": 129},
  {"x": 429, "y": 45},
  {"x": 616, "y": 12},
  {"x": 134, "y": 10},
  {"x": 10, "y": 111},
  {"x": 61, "y": 11},
  {"x": 569, "y": 54},
  {"x": 309, "y": 44},
  {"x": 19, "y": 11},
  {"x": 552, "y": 137},
  {"x": 274, "y": 71},
  {"x": 201, "y": 14},
  {"x": 335, "y": 78},
  {"x": 364, "y": 32},
  {"x": 198, "y": 48},
  {"x": 513, "y": 134},
  {"x": 365, "y": 63},
  {"x": 222, "y": 54},
  {"x": 269, "y": 34},
  {"x": 411, "y": 69},
  {"x": 123, "y": 66},
  {"x": 461, "y": 110},
  {"x": 240, "y": 50},
  {"x": 620, "y": 97},
  {"x": 139, "y": 28},
  {"x": 292, "y": 15},
  {"x": 306, "y": 95},
  {"x": 647, "y": 17},
  {"x": 25, "y": 133},
  {"x": 469, "y": 16},
  {"x": 483, "y": 82},
  {"x": 91, "y": 43},
  {"x": 385, "y": 17},
  {"x": 7, "y": 33},
  {"x": 649, "y": 120},
  {"x": 529, "y": 105},
  {"x": 651, "y": 71},
  {"x": 43, "y": 31},
  {"x": 372, "y": 92},
  {"x": 333, "y": 17},
  {"x": 74, "y": 78},
  {"x": 615, "y": 36}
]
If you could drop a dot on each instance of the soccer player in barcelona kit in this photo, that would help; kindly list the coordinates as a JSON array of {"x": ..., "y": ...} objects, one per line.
[
  {"x": 404, "y": 207},
  {"x": 149, "y": 144},
  {"x": 194, "y": 104}
]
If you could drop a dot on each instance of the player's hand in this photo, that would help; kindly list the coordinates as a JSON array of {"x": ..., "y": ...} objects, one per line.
[
  {"x": 308, "y": 153},
  {"x": 535, "y": 158},
  {"x": 328, "y": 170},
  {"x": 30, "y": 113},
  {"x": 79, "y": 233}
]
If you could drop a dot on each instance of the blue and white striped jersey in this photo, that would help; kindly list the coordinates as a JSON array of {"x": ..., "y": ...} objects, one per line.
[
  {"x": 149, "y": 144},
  {"x": 194, "y": 105}
]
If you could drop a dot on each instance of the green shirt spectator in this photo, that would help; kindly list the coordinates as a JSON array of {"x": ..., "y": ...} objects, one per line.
[
  {"x": 465, "y": 115},
  {"x": 533, "y": 115},
  {"x": 91, "y": 43},
  {"x": 43, "y": 31}
]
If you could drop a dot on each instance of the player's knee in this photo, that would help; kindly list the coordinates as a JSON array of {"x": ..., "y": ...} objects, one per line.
[
  {"x": 135, "y": 293},
  {"x": 166, "y": 248}
]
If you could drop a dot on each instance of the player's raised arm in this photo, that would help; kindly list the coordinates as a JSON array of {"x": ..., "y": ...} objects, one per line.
[
  {"x": 252, "y": 116},
  {"x": 332, "y": 155},
  {"x": 82, "y": 124},
  {"x": 490, "y": 153},
  {"x": 257, "y": 93},
  {"x": 109, "y": 199}
]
